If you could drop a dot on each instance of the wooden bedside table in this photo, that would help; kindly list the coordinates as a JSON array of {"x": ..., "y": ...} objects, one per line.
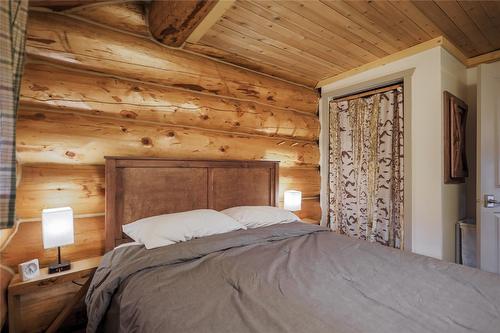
[{"x": 44, "y": 302}]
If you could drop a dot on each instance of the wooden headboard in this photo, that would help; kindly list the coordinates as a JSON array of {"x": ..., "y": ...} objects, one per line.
[{"x": 142, "y": 187}]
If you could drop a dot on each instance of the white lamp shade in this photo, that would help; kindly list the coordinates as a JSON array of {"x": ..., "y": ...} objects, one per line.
[
  {"x": 57, "y": 227},
  {"x": 293, "y": 200}
]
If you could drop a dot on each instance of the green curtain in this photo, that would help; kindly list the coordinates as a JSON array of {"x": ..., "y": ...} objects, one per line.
[{"x": 13, "y": 15}]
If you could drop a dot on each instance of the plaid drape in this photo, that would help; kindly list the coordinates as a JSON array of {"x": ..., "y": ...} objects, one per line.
[{"x": 13, "y": 15}]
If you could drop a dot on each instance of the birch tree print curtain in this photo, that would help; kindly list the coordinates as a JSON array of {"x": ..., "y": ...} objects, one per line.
[{"x": 366, "y": 184}]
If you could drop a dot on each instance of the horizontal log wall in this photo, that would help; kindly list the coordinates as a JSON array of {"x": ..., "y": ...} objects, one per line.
[
  {"x": 90, "y": 91},
  {"x": 51, "y": 88},
  {"x": 125, "y": 16},
  {"x": 78, "y": 44}
]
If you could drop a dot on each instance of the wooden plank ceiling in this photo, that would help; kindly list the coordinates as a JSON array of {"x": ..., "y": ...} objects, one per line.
[{"x": 307, "y": 41}]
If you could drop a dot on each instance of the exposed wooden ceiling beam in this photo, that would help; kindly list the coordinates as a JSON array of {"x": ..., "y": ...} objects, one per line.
[
  {"x": 215, "y": 14},
  {"x": 173, "y": 21}
]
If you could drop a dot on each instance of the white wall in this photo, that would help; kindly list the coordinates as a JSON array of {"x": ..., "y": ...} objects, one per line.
[
  {"x": 456, "y": 196},
  {"x": 434, "y": 207}
]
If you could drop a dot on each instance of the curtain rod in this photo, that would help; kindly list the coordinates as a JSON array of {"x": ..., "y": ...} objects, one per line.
[{"x": 368, "y": 92}]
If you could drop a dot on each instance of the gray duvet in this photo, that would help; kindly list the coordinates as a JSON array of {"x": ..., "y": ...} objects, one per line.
[{"x": 287, "y": 278}]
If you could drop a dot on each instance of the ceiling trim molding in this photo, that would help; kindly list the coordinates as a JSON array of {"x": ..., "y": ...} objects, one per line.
[
  {"x": 210, "y": 19},
  {"x": 454, "y": 51},
  {"x": 438, "y": 41},
  {"x": 483, "y": 58}
]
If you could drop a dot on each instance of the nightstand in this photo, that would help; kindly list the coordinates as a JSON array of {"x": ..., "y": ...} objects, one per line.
[
  {"x": 44, "y": 302},
  {"x": 310, "y": 221}
]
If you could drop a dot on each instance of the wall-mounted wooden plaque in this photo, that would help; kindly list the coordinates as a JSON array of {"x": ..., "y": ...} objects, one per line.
[{"x": 455, "y": 158}]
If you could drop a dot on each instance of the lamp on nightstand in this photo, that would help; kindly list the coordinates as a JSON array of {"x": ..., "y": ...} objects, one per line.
[
  {"x": 293, "y": 200},
  {"x": 57, "y": 231}
]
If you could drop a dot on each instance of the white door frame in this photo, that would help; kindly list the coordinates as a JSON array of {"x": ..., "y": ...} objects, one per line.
[
  {"x": 406, "y": 78},
  {"x": 488, "y": 167}
]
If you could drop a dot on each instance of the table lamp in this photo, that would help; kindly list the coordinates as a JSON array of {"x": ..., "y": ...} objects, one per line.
[
  {"x": 293, "y": 200},
  {"x": 57, "y": 231}
]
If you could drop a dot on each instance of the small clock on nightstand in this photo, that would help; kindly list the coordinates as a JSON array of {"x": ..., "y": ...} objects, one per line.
[{"x": 29, "y": 270}]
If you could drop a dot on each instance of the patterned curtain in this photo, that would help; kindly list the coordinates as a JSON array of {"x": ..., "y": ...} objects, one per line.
[
  {"x": 366, "y": 167},
  {"x": 13, "y": 15}
]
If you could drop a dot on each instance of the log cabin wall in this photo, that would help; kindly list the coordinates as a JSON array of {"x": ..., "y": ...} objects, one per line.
[{"x": 96, "y": 84}]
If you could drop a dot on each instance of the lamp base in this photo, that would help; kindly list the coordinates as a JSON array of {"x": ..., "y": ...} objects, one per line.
[{"x": 59, "y": 267}]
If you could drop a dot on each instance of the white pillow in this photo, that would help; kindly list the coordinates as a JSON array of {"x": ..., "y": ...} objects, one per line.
[
  {"x": 167, "y": 229},
  {"x": 128, "y": 244},
  {"x": 260, "y": 216}
]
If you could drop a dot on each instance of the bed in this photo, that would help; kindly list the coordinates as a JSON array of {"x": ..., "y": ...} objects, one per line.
[{"x": 291, "y": 277}]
